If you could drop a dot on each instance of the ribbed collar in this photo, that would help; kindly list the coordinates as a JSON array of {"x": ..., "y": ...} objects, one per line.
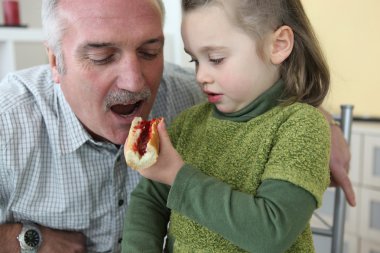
[{"x": 262, "y": 104}]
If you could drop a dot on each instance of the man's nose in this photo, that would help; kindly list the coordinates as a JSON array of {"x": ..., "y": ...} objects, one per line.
[{"x": 131, "y": 75}]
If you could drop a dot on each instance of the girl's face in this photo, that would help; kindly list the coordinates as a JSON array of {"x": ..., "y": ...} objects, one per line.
[{"x": 228, "y": 68}]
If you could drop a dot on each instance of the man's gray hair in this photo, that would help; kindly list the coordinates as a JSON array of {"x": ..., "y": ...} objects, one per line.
[
  {"x": 53, "y": 30},
  {"x": 54, "y": 27}
]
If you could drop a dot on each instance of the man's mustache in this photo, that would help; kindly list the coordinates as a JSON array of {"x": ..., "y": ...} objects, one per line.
[{"x": 126, "y": 97}]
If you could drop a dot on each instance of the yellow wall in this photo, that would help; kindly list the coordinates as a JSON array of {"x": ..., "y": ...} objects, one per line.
[{"x": 349, "y": 32}]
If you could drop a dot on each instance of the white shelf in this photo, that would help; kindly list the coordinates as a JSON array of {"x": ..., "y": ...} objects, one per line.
[
  {"x": 10, "y": 59},
  {"x": 21, "y": 34}
]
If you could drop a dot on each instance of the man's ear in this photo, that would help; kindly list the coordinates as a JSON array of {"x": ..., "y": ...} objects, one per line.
[
  {"x": 53, "y": 64},
  {"x": 282, "y": 44}
]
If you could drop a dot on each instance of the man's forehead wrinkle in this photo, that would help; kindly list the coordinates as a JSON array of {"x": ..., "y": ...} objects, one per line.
[
  {"x": 81, "y": 13},
  {"x": 96, "y": 11},
  {"x": 97, "y": 21}
]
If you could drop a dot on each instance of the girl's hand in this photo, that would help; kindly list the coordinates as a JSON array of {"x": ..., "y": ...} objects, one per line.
[{"x": 169, "y": 162}]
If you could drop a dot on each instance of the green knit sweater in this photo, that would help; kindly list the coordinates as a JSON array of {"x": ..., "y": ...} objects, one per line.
[
  {"x": 287, "y": 143},
  {"x": 240, "y": 185}
]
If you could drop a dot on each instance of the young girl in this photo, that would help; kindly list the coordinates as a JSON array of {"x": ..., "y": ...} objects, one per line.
[{"x": 246, "y": 170}]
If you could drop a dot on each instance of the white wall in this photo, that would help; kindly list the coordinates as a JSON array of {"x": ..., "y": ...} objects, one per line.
[
  {"x": 173, "y": 41},
  {"x": 30, "y": 12},
  {"x": 349, "y": 33}
]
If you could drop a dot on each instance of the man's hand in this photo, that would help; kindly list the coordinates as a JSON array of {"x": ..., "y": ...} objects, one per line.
[
  {"x": 53, "y": 240},
  {"x": 8, "y": 238},
  {"x": 339, "y": 164},
  {"x": 58, "y": 241},
  {"x": 340, "y": 160}
]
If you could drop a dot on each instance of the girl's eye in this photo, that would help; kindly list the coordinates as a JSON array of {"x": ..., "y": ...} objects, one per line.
[
  {"x": 194, "y": 60},
  {"x": 217, "y": 60}
]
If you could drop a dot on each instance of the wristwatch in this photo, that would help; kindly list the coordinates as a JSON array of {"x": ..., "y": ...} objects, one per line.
[{"x": 30, "y": 238}]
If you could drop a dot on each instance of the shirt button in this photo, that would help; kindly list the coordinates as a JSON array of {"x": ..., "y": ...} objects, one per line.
[{"x": 121, "y": 202}]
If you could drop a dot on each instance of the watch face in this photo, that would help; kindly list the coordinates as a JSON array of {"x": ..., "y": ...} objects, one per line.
[{"x": 32, "y": 238}]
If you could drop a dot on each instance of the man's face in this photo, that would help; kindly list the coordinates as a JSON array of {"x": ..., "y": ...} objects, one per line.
[{"x": 113, "y": 57}]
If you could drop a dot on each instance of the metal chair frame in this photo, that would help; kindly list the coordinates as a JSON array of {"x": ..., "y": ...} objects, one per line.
[{"x": 336, "y": 230}]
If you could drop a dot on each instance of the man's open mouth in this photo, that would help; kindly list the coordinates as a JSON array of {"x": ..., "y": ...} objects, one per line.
[{"x": 125, "y": 110}]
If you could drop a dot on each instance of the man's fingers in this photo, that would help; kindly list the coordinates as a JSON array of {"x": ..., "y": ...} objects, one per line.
[
  {"x": 349, "y": 192},
  {"x": 346, "y": 185}
]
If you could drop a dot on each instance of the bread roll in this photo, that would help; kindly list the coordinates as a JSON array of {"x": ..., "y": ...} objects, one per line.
[{"x": 142, "y": 145}]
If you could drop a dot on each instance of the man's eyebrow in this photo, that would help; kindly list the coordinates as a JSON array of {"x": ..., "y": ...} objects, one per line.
[
  {"x": 91, "y": 45},
  {"x": 159, "y": 40},
  {"x": 97, "y": 45},
  {"x": 87, "y": 47},
  {"x": 94, "y": 45}
]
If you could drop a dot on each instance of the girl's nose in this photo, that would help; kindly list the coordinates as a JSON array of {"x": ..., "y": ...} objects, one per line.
[{"x": 203, "y": 75}]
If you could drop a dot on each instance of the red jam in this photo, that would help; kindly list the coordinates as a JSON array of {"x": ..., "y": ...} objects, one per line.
[{"x": 142, "y": 142}]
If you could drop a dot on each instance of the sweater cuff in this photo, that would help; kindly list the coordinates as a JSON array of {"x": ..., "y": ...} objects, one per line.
[{"x": 179, "y": 186}]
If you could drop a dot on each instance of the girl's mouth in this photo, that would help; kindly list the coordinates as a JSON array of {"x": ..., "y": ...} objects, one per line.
[{"x": 214, "y": 97}]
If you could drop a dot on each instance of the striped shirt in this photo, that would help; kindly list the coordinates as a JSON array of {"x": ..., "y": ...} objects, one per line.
[{"x": 53, "y": 173}]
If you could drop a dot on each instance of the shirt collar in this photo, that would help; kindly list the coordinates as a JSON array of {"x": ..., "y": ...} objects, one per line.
[{"x": 70, "y": 132}]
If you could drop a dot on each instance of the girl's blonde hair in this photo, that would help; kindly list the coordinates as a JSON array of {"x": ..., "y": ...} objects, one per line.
[{"x": 305, "y": 72}]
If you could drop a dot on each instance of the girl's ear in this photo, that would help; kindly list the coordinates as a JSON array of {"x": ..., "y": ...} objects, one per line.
[
  {"x": 282, "y": 44},
  {"x": 53, "y": 64}
]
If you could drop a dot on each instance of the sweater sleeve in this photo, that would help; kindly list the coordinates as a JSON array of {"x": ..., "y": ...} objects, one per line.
[
  {"x": 245, "y": 220},
  {"x": 147, "y": 217},
  {"x": 301, "y": 152}
]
